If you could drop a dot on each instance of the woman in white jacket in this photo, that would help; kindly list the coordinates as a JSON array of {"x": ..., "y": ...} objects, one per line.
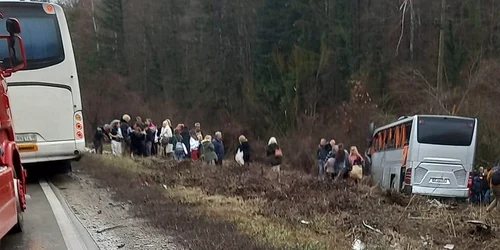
[
  {"x": 165, "y": 135},
  {"x": 194, "y": 143}
]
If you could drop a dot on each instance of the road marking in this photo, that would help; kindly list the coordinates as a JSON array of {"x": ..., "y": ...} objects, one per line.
[{"x": 71, "y": 238}]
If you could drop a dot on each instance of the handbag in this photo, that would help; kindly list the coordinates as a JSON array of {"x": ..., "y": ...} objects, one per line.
[{"x": 239, "y": 158}]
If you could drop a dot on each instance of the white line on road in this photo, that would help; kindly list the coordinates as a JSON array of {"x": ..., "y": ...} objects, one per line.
[{"x": 71, "y": 238}]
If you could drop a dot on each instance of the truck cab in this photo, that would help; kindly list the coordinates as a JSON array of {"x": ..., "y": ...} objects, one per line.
[{"x": 12, "y": 173}]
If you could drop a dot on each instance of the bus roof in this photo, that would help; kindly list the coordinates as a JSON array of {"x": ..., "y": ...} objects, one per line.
[
  {"x": 28, "y": 1},
  {"x": 405, "y": 119}
]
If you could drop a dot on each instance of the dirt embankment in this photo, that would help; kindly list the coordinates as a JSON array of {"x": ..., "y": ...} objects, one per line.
[{"x": 239, "y": 208}]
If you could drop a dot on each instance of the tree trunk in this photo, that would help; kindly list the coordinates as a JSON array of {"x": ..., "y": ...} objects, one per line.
[
  {"x": 439, "y": 81},
  {"x": 95, "y": 25},
  {"x": 412, "y": 31}
]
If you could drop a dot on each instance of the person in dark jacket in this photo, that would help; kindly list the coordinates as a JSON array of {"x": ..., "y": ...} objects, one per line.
[
  {"x": 219, "y": 147},
  {"x": 322, "y": 153},
  {"x": 180, "y": 150},
  {"x": 186, "y": 139},
  {"x": 341, "y": 164},
  {"x": 275, "y": 156},
  {"x": 150, "y": 138},
  {"x": 137, "y": 140},
  {"x": 244, "y": 147},
  {"x": 101, "y": 134}
]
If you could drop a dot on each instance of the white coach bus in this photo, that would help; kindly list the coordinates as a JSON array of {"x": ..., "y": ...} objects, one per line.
[
  {"x": 425, "y": 154},
  {"x": 46, "y": 103}
]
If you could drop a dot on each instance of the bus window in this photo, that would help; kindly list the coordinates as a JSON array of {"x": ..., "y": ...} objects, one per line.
[
  {"x": 408, "y": 133},
  {"x": 380, "y": 141},
  {"x": 390, "y": 139},
  {"x": 445, "y": 131},
  {"x": 385, "y": 139},
  {"x": 405, "y": 155},
  {"x": 43, "y": 49},
  {"x": 397, "y": 137},
  {"x": 403, "y": 135}
]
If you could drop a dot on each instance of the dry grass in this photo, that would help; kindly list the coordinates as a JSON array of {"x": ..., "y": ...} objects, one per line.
[{"x": 270, "y": 213}]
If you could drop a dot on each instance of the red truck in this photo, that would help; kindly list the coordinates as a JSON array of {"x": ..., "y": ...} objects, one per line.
[{"x": 12, "y": 173}]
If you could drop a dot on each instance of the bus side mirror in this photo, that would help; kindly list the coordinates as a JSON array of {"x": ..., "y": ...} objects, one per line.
[
  {"x": 371, "y": 128},
  {"x": 13, "y": 26},
  {"x": 16, "y": 60}
]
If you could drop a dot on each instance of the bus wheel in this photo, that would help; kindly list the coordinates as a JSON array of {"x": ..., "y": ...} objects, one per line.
[{"x": 20, "y": 217}]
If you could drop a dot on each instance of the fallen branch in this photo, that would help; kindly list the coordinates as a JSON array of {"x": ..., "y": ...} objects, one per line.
[
  {"x": 372, "y": 228},
  {"x": 453, "y": 227},
  {"x": 406, "y": 208},
  {"x": 110, "y": 228}
]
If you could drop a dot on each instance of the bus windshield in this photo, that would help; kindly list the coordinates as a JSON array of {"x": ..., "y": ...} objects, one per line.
[
  {"x": 40, "y": 33},
  {"x": 445, "y": 131}
]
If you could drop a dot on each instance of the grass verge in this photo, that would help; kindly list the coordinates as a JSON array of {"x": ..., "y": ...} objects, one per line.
[{"x": 237, "y": 208}]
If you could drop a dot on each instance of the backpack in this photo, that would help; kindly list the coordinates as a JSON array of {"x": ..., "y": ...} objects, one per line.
[
  {"x": 495, "y": 177},
  {"x": 179, "y": 148},
  {"x": 278, "y": 153}
]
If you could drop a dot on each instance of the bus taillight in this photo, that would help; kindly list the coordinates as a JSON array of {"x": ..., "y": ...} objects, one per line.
[
  {"x": 79, "y": 125},
  {"x": 470, "y": 182},
  {"x": 408, "y": 176}
]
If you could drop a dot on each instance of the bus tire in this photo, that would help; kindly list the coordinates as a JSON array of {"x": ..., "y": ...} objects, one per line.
[{"x": 18, "y": 228}]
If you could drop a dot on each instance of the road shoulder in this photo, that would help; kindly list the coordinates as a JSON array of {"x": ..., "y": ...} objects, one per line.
[{"x": 109, "y": 223}]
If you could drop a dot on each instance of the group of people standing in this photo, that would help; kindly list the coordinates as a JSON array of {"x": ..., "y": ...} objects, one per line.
[
  {"x": 144, "y": 139},
  {"x": 480, "y": 189},
  {"x": 334, "y": 159}
]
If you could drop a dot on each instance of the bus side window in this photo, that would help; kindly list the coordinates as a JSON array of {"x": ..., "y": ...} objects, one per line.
[
  {"x": 380, "y": 141},
  {"x": 405, "y": 155},
  {"x": 390, "y": 139},
  {"x": 385, "y": 140},
  {"x": 403, "y": 135},
  {"x": 397, "y": 137},
  {"x": 408, "y": 133}
]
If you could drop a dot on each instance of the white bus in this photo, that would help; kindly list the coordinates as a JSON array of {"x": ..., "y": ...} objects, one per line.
[
  {"x": 425, "y": 154},
  {"x": 46, "y": 103}
]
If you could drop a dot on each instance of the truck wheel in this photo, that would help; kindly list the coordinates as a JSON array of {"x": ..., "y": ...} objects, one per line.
[{"x": 20, "y": 217}]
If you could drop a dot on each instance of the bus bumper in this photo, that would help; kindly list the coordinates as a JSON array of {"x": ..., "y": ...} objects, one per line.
[
  {"x": 51, "y": 151},
  {"x": 441, "y": 192}
]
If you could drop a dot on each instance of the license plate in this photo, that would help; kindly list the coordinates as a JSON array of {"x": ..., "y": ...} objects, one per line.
[
  {"x": 439, "y": 181},
  {"x": 27, "y": 147},
  {"x": 26, "y": 138}
]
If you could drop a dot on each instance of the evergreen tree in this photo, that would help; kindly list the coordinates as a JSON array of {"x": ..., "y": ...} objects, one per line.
[{"x": 113, "y": 35}]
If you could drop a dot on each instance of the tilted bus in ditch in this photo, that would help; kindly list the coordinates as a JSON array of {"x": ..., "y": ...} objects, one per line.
[
  {"x": 12, "y": 173},
  {"x": 425, "y": 154},
  {"x": 45, "y": 96}
]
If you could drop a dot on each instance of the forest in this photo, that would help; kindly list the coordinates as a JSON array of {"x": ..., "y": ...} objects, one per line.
[{"x": 295, "y": 69}]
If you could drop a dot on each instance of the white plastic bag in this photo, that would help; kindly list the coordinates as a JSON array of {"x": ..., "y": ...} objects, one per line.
[{"x": 239, "y": 158}]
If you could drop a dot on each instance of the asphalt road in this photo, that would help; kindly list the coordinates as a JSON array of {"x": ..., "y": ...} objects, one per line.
[{"x": 48, "y": 224}]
